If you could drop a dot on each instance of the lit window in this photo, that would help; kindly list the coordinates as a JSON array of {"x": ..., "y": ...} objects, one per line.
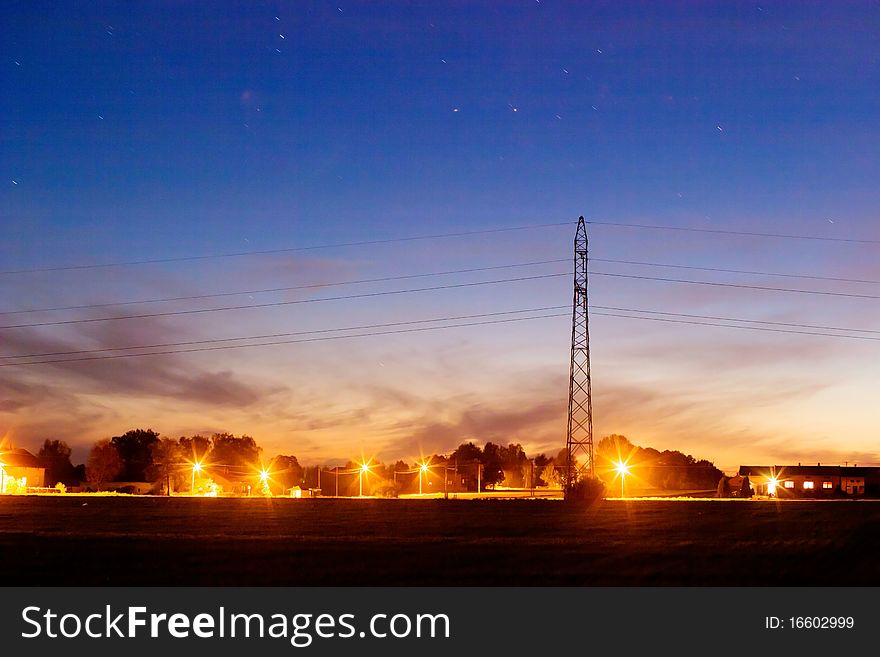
[
  {"x": 827, "y": 485},
  {"x": 789, "y": 483},
  {"x": 808, "y": 484}
]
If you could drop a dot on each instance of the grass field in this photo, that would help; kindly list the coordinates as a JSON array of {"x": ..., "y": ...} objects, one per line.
[{"x": 196, "y": 541}]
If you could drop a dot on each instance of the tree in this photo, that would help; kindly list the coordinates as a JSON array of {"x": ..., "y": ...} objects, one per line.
[
  {"x": 552, "y": 475},
  {"x": 194, "y": 448},
  {"x": 237, "y": 451},
  {"x": 493, "y": 465},
  {"x": 286, "y": 472},
  {"x": 723, "y": 487},
  {"x": 514, "y": 463},
  {"x": 745, "y": 490},
  {"x": 615, "y": 447},
  {"x": 466, "y": 457},
  {"x": 541, "y": 462},
  {"x": 55, "y": 456},
  {"x": 135, "y": 450},
  {"x": 169, "y": 465},
  {"x": 104, "y": 464},
  {"x": 398, "y": 466}
]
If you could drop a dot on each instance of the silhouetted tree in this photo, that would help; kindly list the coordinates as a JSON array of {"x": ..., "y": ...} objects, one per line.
[
  {"x": 466, "y": 457},
  {"x": 238, "y": 451},
  {"x": 169, "y": 464},
  {"x": 195, "y": 449},
  {"x": 493, "y": 465},
  {"x": 745, "y": 490},
  {"x": 723, "y": 487},
  {"x": 541, "y": 461},
  {"x": 55, "y": 457},
  {"x": 613, "y": 448},
  {"x": 286, "y": 472},
  {"x": 514, "y": 463},
  {"x": 104, "y": 464},
  {"x": 669, "y": 469},
  {"x": 135, "y": 450}
]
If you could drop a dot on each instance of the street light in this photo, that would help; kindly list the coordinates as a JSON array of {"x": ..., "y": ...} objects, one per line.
[
  {"x": 365, "y": 468},
  {"x": 423, "y": 470},
  {"x": 622, "y": 470},
  {"x": 197, "y": 469},
  {"x": 264, "y": 482}
]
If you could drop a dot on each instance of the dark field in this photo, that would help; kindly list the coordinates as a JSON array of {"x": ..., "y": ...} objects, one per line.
[{"x": 184, "y": 541}]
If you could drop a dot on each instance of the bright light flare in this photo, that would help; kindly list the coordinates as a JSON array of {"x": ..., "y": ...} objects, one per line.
[
  {"x": 264, "y": 475},
  {"x": 621, "y": 468},
  {"x": 424, "y": 467},
  {"x": 197, "y": 467}
]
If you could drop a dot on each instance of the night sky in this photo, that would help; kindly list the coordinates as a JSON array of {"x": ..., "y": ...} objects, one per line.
[{"x": 141, "y": 131}]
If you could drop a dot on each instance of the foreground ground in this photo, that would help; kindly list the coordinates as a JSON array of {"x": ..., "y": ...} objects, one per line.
[{"x": 198, "y": 541}]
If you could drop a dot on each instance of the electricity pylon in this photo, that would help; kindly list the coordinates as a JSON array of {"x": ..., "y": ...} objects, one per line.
[{"x": 579, "y": 443}]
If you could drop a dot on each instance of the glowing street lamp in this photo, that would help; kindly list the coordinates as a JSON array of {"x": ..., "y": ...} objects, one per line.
[
  {"x": 622, "y": 470},
  {"x": 771, "y": 486},
  {"x": 196, "y": 469},
  {"x": 365, "y": 468},
  {"x": 423, "y": 470},
  {"x": 264, "y": 482}
]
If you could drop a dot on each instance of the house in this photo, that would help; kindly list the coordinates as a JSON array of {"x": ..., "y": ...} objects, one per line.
[
  {"x": 20, "y": 470},
  {"x": 811, "y": 480}
]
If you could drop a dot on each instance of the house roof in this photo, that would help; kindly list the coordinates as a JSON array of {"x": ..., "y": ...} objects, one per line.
[
  {"x": 20, "y": 458},
  {"x": 807, "y": 470}
]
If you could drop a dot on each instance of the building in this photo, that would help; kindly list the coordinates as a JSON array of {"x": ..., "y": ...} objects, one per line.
[
  {"x": 812, "y": 480},
  {"x": 20, "y": 470}
]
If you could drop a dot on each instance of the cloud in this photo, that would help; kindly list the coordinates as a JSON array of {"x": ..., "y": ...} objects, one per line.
[
  {"x": 478, "y": 422},
  {"x": 176, "y": 376}
]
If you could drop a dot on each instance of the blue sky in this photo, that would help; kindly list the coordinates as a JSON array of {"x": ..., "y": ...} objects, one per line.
[{"x": 148, "y": 130}]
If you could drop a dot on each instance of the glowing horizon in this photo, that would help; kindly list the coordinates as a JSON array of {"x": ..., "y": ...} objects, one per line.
[{"x": 387, "y": 122}]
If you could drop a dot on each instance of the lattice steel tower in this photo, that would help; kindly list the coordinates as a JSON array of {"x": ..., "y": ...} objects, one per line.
[{"x": 579, "y": 443}]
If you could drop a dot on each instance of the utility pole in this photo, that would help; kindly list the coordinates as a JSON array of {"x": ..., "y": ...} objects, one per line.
[{"x": 579, "y": 440}]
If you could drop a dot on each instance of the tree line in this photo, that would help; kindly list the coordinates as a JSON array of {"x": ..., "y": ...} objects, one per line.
[
  {"x": 143, "y": 455},
  {"x": 667, "y": 470}
]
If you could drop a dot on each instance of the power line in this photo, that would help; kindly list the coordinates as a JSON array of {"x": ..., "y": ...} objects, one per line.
[
  {"x": 735, "y": 285},
  {"x": 281, "y": 335},
  {"x": 750, "y": 272},
  {"x": 735, "y": 326},
  {"x": 282, "y": 342},
  {"x": 738, "y": 319},
  {"x": 214, "y": 295},
  {"x": 743, "y": 233},
  {"x": 284, "y": 303},
  {"x": 433, "y": 328},
  {"x": 439, "y": 287},
  {"x": 293, "y": 249},
  {"x": 414, "y": 238},
  {"x": 163, "y": 345}
]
